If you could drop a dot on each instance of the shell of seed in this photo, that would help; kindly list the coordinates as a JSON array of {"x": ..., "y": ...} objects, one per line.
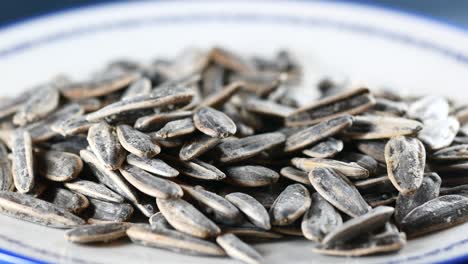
[
  {"x": 197, "y": 169},
  {"x": 251, "y": 176},
  {"x": 151, "y": 184},
  {"x": 290, "y": 205},
  {"x": 23, "y": 172},
  {"x": 158, "y": 120},
  {"x": 339, "y": 192},
  {"x": 186, "y": 218},
  {"x": 157, "y": 220},
  {"x": 155, "y": 166},
  {"x": 72, "y": 202},
  {"x": 94, "y": 190},
  {"x": 28, "y": 208},
  {"x": 253, "y": 210},
  {"x": 59, "y": 166},
  {"x": 104, "y": 143},
  {"x": 238, "y": 249},
  {"x": 373, "y": 148},
  {"x": 6, "y": 177},
  {"x": 438, "y": 134},
  {"x": 213, "y": 123},
  {"x": 140, "y": 86},
  {"x": 97, "y": 233},
  {"x": 136, "y": 142},
  {"x": 456, "y": 152},
  {"x": 172, "y": 240},
  {"x": 198, "y": 145},
  {"x": 220, "y": 97},
  {"x": 350, "y": 170},
  {"x": 296, "y": 175},
  {"x": 430, "y": 107},
  {"x": 325, "y": 149},
  {"x": 321, "y": 219},
  {"x": 112, "y": 212},
  {"x": 378, "y": 127},
  {"x": 72, "y": 126},
  {"x": 406, "y": 159},
  {"x": 39, "y": 105}
]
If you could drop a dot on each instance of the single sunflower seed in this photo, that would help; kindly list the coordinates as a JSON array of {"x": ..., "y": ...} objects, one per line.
[
  {"x": 23, "y": 171},
  {"x": 290, "y": 205},
  {"x": 94, "y": 190},
  {"x": 97, "y": 233},
  {"x": 237, "y": 249},
  {"x": 251, "y": 176},
  {"x": 104, "y": 143},
  {"x": 213, "y": 123},
  {"x": 137, "y": 142},
  {"x": 253, "y": 210}
]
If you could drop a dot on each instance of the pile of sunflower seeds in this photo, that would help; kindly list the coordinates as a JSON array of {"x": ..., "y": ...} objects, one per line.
[{"x": 203, "y": 152}]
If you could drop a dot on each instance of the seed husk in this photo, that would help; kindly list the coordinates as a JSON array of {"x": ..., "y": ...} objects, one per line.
[
  {"x": 158, "y": 120},
  {"x": 379, "y": 199},
  {"x": 173, "y": 240},
  {"x": 198, "y": 145},
  {"x": 405, "y": 158},
  {"x": 97, "y": 233},
  {"x": 354, "y": 227},
  {"x": 59, "y": 166},
  {"x": 428, "y": 190},
  {"x": 429, "y": 108},
  {"x": 112, "y": 212},
  {"x": 349, "y": 102},
  {"x": 23, "y": 172},
  {"x": 151, "y": 184},
  {"x": 155, "y": 166},
  {"x": 104, "y": 143},
  {"x": 72, "y": 126},
  {"x": 6, "y": 177},
  {"x": 296, "y": 175},
  {"x": 373, "y": 148},
  {"x": 268, "y": 108},
  {"x": 250, "y": 232},
  {"x": 253, "y": 210},
  {"x": 213, "y": 123},
  {"x": 197, "y": 169},
  {"x": 186, "y": 218},
  {"x": 325, "y": 149},
  {"x": 94, "y": 190},
  {"x": 247, "y": 147},
  {"x": 458, "y": 190},
  {"x": 237, "y": 249},
  {"x": 90, "y": 104},
  {"x": 438, "y": 134},
  {"x": 140, "y": 86},
  {"x": 42, "y": 103},
  {"x": 72, "y": 202},
  {"x": 157, "y": 220},
  {"x": 175, "y": 128},
  {"x": 290, "y": 205},
  {"x": 9, "y": 106},
  {"x": 365, "y": 161},
  {"x": 212, "y": 79},
  {"x": 137, "y": 142},
  {"x": 28, "y": 208},
  {"x": 339, "y": 192},
  {"x": 452, "y": 153},
  {"x": 251, "y": 176},
  {"x": 375, "y": 184},
  {"x": 321, "y": 219},
  {"x": 350, "y": 170},
  {"x": 230, "y": 60},
  {"x": 318, "y": 132},
  {"x": 379, "y": 127},
  {"x": 73, "y": 144},
  {"x": 220, "y": 97},
  {"x": 437, "y": 214}
]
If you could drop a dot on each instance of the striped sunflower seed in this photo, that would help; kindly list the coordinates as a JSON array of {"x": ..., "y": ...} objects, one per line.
[
  {"x": 251, "y": 176},
  {"x": 72, "y": 126},
  {"x": 350, "y": 170},
  {"x": 378, "y": 127},
  {"x": 213, "y": 123},
  {"x": 325, "y": 149},
  {"x": 139, "y": 87},
  {"x": 155, "y": 166},
  {"x": 237, "y": 249},
  {"x": 111, "y": 212},
  {"x": 59, "y": 166},
  {"x": 97, "y": 233},
  {"x": 37, "y": 106},
  {"x": 137, "y": 142},
  {"x": 175, "y": 128},
  {"x": 72, "y": 202},
  {"x": 373, "y": 148},
  {"x": 104, "y": 143},
  {"x": 158, "y": 120},
  {"x": 296, "y": 175},
  {"x": 290, "y": 205},
  {"x": 23, "y": 171},
  {"x": 438, "y": 134},
  {"x": 457, "y": 152},
  {"x": 198, "y": 145},
  {"x": 94, "y": 190},
  {"x": 253, "y": 210},
  {"x": 268, "y": 108},
  {"x": 157, "y": 221},
  {"x": 6, "y": 177},
  {"x": 220, "y": 97}
]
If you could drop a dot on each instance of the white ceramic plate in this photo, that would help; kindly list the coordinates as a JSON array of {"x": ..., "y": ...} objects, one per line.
[{"x": 373, "y": 46}]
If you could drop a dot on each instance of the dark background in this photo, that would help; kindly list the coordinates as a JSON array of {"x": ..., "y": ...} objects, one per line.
[{"x": 451, "y": 11}]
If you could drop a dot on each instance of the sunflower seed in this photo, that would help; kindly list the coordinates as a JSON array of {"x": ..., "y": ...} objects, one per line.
[
  {"x": 367, "y": 162},
  {"x": 59, "y": 166},
  {"x": 350, "y": 170},
  {"x": 244, "y": 148},
  {"x": 339, "y": 192},
  {"x": 104, "y": 143},
  {"x": 325, "y": 149},
  {"x": 389, "y": 106},
  {"x": 27, "y": 208},
  {"x": 37, "y": 106},
  {"x": 72, "y": 126},
  {"x": 94, "y": 190},
  {"x": 155, "y": 166},
  {"x": 405, "y": 159},
  {"x": 260, "y": 83},
  {"x": 230, "y": 60},
  {"x": 198, "y": 145},
  {"x": 212, "y": 79},
  {"x": 6, "y": 177},
  {"x": 458, "y": 190},
  {"x": 318, "y": 132},
  {"x": 438, "y": 134},
  {"x": 237, "y": 249},
  {"x": 296, "y": 175},
  {"x": 221, "y": 209},
  {"x": 156, "y": 121},
  {"x": 141, "y": 86},
  {"x": 90, "y": 104},
  {"x": 186, "y": 218},
  {"x": 348, "y": 102},
  {"x": 213, "y": 123},
  {"x": 97, "y": 233},
  {"x": 66, "y": 199},
  {"x": 251, "y": 176},
  {"x": 428, "y": 190},
  {"x": 321, "y": 219},
  {"x": 106, "y": 84},
  {"x": 377, "y": 184},
  {"x": 220, "y": 97},
  {"x": 72, "y": 144},
  {"x": 378, "y": 127},
  {"x": 150, "y": 184},
  {"x": 253, "y": 210},
  {"x": 455, "y": 153},
  {"x": 173, "y": 240},
  {"x": 197, "y": 169},
  {"x": 10, "y": 105},
  {"x": 175, "y": 128},
  {"x": 106, "y": 211},
  {"x": 373, "y": 148},
  {"x": 251, "y": 233},
  {"x": 437, "y": 214},
  {"x": 291, "y": 204},
  {"x": 23, "y": 172},
  {"x": 157, "y": 221},
  {"x": 136, "y": 142},
  {"x": 429, "y": 108},
  {"x": 268, "y": 108}
]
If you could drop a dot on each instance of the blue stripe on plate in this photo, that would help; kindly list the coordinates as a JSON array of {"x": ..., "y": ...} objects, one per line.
[{"x": 11, "y": 257}]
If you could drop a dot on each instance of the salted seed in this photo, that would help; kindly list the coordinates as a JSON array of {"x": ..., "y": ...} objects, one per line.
[
  {"x": 325, "y": 149},
  {"x": 251, "y": 176},
  {"x": 155, "y": 166},
  {"x": 23, "y": 172},
  {"x": 97, "y": 233},
  {"x": 140, "y": 86},
  {"x": 268, "y": 108},
  {"x": 339, "y": 192},
  {"x": 150, "y": 184},
  {"x": 253, "y": 210},
  {"x": 175, "y": 128},
  {"x": 379, "y": 199},
  {"x": 104, "y": 143},
  {"x": 296, "y": 175},
  {"x": 198, "y": 145},
  {"x": 186, "y": 218},
  {"x": 350, "y": 170},
  {"x": 156, "y": 121},
  {"x": 94, "y": 190},
  {"x": 237, "y": 249},
  {"x": 213, "y": 123},
  {"x": 72, "y": 202},
  {"x": 405, "y": 158},
  {"x": 291, "y": 204},
  {"x": 27, "y": 208},
  {"x": 318, "y": 132},
  {"x": 197, "y": 169},
  {"x": 137, "y": 142},
  {"x": 321, "y": 219},
  {"x": 212, "y": 80},
  {"x": 112, "y": 212},
  {"x": 438, "y": 134},
  {"x": 39, "y": 105},
  {"x": 90, "y": 104},
  {"x": 59, "y": 166},
  {"x": 378, "y": 127},
  {"x": 437, "y": 214}
]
